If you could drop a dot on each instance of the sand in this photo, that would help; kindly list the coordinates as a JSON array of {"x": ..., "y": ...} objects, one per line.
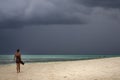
[{"x": 97, "y": 69}]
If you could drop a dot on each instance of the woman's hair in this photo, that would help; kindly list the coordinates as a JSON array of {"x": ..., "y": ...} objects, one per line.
[{"x": 18, "y": 50}]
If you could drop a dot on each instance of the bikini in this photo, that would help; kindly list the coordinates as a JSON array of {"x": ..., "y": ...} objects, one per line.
[{"x": 18, "y": 59}]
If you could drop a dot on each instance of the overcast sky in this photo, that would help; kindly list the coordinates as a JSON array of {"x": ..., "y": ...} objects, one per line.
[{"x": 60, "y": 26}]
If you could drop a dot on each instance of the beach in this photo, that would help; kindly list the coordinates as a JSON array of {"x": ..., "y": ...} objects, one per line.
[{"x": 95, "y": 69}]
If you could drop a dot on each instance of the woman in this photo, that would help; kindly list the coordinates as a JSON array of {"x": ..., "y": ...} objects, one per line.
[{"x": 17, "y": 57}]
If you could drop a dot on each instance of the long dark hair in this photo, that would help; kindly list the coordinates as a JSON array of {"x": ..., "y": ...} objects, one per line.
[{"x": 18, "y": 50}]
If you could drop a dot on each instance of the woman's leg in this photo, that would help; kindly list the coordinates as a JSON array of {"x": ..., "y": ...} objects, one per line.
[{"x": 19, "y": 67}]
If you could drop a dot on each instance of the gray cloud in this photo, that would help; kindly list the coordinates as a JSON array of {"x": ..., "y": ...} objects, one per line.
[
  {"x": 55, "y": 26},
  {"x": 26, "y": 12},
  {"x": 100, "y": 3},
  {"x": 19, "y": 13},
  {"x": 15, "y": 13}
]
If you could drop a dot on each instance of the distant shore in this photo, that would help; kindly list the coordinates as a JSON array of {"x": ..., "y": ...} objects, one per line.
[{"x": 94, "y": 69}]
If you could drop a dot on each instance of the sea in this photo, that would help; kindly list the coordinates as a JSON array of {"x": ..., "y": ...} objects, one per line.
[{"x": 8, "y": 59}]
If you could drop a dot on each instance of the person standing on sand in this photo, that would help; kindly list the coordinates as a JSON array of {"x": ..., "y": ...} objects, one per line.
[{"x": 17, "y": 57}]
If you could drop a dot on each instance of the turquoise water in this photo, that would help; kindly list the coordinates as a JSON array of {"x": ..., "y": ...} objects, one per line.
[{"x": 5, "y": 59}]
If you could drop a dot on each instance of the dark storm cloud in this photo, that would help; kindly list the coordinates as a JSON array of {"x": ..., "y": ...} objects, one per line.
[
  {"x": 48, "y": 32},
  {"x": 19, "y": 13},
  {"x": 101, "y": 3},
  {"x": 15, "y": 13}
]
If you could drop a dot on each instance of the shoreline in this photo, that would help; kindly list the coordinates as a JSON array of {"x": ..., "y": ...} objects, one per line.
[
  {"x": 94, "y": 69},
  {"x": 59, "y": 60}
]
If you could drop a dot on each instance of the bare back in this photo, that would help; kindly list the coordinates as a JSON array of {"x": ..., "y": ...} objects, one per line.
[{"x": 18, "y": 57}]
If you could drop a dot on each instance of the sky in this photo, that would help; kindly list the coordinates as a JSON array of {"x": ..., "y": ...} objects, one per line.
[{"x": 60, "y": 26}]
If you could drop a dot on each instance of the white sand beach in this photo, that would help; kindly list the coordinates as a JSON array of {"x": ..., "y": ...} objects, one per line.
[{"x": 96, "y": 69}]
